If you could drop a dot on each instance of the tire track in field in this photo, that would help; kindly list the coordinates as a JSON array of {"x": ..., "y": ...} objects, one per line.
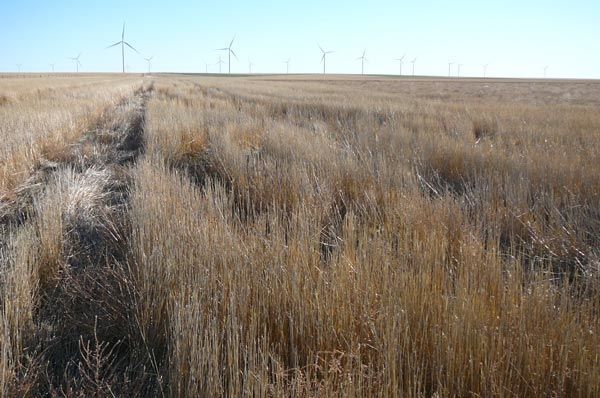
[{"x": 84, "y": 338}]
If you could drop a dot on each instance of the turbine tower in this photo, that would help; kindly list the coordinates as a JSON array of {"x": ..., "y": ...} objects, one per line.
[
  {"x": 324, "y": 57},
  {"x": 287, "y": 65},
  {"x": 229, "y": 52},
  {"x": 52, "y": 66},
  {"x": 458, "y": 72},
  {"x": 485, "y": 70},
  {"x": 450, "y": 68},
  {"x": 250, "y": 63},
  {"x": 400, "y": 61},
  {"x": 413, "y": 63},
  {"x": 545, "y": 70},
  {"x": 77, "y": 63},
  {"x": 19, "y": 67},
  {"x": 123, "y": 43},
  {"x": 220, "y": 62},
  {"x": 362, "y": 59},
  {"x": 149, "y": 60}
]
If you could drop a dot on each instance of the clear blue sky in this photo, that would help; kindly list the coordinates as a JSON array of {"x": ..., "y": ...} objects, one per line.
[{"x": 516, "y": 38}]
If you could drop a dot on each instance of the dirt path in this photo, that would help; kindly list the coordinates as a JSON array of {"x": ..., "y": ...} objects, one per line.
[{"x": 84, "y": 338}]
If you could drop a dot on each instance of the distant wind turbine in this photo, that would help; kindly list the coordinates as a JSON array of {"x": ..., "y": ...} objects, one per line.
[
  {"x": 250, "y": 63},
  {"x": 287, "y": 65},
  {"x": 545, "y": 70},
  {"x": 362, "y": 59},
  {"x": 400, "y": 61},
  {"x": 220, "y": 62},
  {"x": 229, "y": 52},
  {"x": 450, "y": 68},
  {"x": 52, "y": 66},
  {"x": 485, "y": 70},
  {"x": 123, "y": 43},
  {"x": 413, "y": 63},
  {"x": 458, "y": 73},
  {"x": 19, "y": 67},
  {"x": 149, "y": 60},
  {"x": 324, "y": 57},
  {"x": 77, "y": 63}
]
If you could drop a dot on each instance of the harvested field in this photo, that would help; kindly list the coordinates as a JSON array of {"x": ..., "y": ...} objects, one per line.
[{"x": 267, "y": 236}]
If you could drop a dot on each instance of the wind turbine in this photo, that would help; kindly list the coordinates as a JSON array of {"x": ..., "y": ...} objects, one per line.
[
  {"x": 324, "y": 57},
  {"x": 450, "y": 68},
  {"x": 220, "y": 62},
  {"x": 19, "y": 67},
  {"x": 485, "y": 70},
  {"x": 413, "y": 63},
  {"x": 362, "y": 59},
  {"x": 229, "y": 52},
  {"x": 77, "y": 63},
  {"x": 400, "y": 61},
  {"x": 250, "y": 63},
  {"x": 545, "y": 70},
  {"x": 149, "y": 60},
  {"x": 458, "y": 73},
  {"x": 123, "y": 43},
  {"x": 52, "y": 66},
  {"x": 287, "y": 65}
]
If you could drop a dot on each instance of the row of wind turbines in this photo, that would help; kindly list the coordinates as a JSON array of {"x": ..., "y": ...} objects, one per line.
[{"x": 230, "y": 52}]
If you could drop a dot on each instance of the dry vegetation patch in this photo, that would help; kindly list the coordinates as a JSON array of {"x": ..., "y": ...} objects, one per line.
[{"x": 300, "y": 237}]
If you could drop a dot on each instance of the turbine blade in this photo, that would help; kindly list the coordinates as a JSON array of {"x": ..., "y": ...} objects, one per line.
[
  {"x": 130, "y": 46},
  {"x": 323, "y": 57},
  {"x": 116, "y": 44},
  {"x": 221, "y": 49},
  {"x": 321, "y": 48},
  {"x": 123, "y": 32},
  {"x": 234, "y": 54},
  {"x": 230, "y": 44}
]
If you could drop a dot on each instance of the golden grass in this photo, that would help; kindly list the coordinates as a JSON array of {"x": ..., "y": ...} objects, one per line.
[{"x": 343, "y": 237}]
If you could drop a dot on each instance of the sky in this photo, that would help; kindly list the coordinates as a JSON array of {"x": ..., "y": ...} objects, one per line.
[{"x": 516, "y": 38}]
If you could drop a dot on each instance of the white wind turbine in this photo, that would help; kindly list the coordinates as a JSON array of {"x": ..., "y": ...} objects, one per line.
[
  {"x": 324, "y": 57},
  {"x": 250, "y": 63},
  {"x": 287, "y": 65},
  {"x": 19, "y": 67},
  {"x": 450, "y": 68},
  {"x": 362, "y": 59},
  {"x": 220, "y": 62},
  {"x": 52, "y": 66},
  {"x": 77, "y": 63},
  {"x": 485, "y": 70},
  {"x": 413, "y": 66},
  {"x": 229, "y": 52},
  {"x": 458, "y": 73},
  {"x": 545, "y": 70},
  {"x": 149, "y": 60},
  {"x": 123, "y": 43},
  {"x": 400, "y": 61}
]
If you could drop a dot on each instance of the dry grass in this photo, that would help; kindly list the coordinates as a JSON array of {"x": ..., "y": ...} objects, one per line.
[{"x": 302, "y": 237}]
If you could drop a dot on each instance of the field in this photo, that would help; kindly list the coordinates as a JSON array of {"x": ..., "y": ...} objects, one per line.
[{"x": 188, "y": 235}]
